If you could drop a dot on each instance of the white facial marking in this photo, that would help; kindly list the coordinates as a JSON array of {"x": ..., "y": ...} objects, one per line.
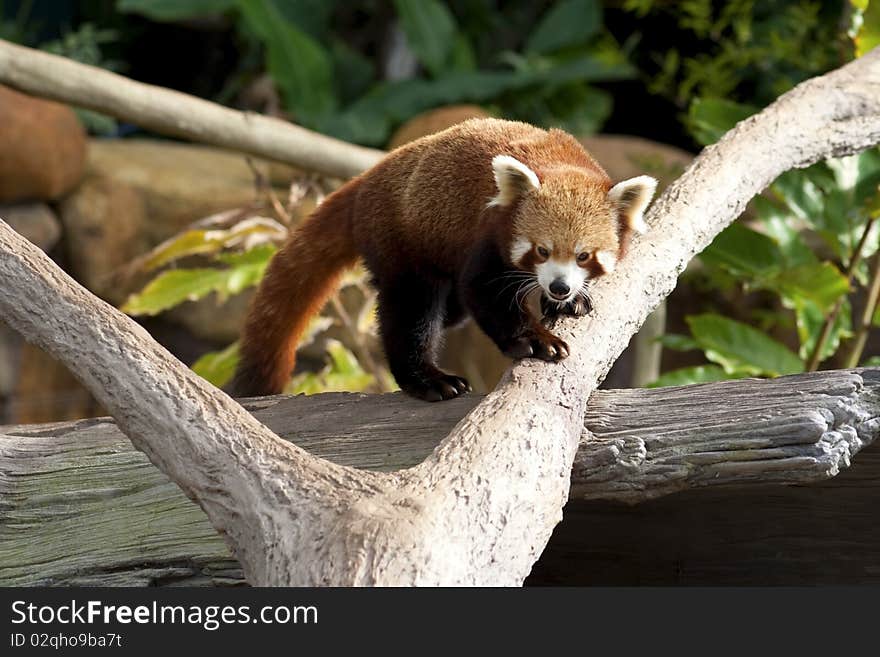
[
  {"x": 518, "y": 249},
  {"x": 607, "y": 259},
  {"x": 511, "y": 177},
  {"x": 631, "y": 198},
  {"x": 568, "y": 270}
]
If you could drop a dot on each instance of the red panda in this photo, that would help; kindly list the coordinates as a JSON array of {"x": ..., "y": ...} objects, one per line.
[{"x": 463, "y": 222}]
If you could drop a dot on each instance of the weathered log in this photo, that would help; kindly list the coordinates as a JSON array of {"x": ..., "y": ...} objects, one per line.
[{"x": 79, "y": 505}]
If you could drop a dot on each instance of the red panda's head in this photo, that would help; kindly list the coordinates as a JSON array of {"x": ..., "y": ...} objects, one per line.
[{"x": 570, "y": 225}]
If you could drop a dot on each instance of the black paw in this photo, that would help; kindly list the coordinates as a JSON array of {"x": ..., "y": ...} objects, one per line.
[
  {"x": 437, "y": 387},
  {"x": 578, "y": 307},
  {"x": 537, "y": 344}
]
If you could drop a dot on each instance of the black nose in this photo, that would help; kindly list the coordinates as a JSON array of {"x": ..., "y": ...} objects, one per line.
[{"x": 559, "y": 288}]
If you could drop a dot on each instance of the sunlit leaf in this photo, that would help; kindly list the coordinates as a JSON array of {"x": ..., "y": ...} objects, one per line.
[
  {"x": 218, "y": 367},
  {"x": 738, "y": 347},
  {"x": 821, "y": 283}
]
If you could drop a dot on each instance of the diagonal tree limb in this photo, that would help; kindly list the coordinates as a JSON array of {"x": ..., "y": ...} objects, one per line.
[
  {"x": 177, "y": 114},
  {"x": 480, "y": 509}
]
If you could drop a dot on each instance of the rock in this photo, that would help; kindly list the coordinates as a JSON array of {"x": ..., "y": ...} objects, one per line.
[
  {"x": 35, "y": 221},
  {"x": 104, "y": 224},
  {"x": 45, "y": 391},
  {"x": 624, "y": 156},
  {"x": 181, "y": 183},
  {"x": 427, "y": 123},
  {"x": 43, "y": 146},
  {"x": 138, "y": 193}
]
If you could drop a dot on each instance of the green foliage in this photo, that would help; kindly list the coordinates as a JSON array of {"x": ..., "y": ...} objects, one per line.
[
  {"x": 431, "y": 32},
  {"x": 708, "y": 116},
  {"x": 329, "y": 86},
  {"x": 865, "y": 30},
  {"x": 218, "y": 367},
  {"x": 799, "y": 248},
  {"x": 567, "y": 24},
  {"x": 342, "y": 373},
  {"x": 84, "y": 44},
  {"x": 173, "y": 287},
  {"x": 691, "y": 375},
  {"x": 174, "y": 10},
  {"x": 740, "y": 349},
  {"x": 739, "y": 49}
]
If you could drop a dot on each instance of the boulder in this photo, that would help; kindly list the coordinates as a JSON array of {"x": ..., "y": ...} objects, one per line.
[
  {"x": 104, "y": 225},
  {"x": 182, "y": 183},
  {"x": 36, "y": 221},
  {"x": 435, "y": 120},
  {"x": 43, "y": 145}
]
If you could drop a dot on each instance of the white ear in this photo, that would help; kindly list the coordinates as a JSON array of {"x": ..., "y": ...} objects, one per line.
[
  {"x": 631, "y": 197},
  {"x": 513, "y": 179}
]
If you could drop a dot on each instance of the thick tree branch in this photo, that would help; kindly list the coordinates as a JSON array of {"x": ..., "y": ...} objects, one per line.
[
  {"x": 178, "y": 114},
  {"x": 480, "y": 509}
]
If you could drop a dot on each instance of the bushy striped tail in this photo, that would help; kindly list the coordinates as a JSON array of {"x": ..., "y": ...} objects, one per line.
[{"x": 298, "y": 281}]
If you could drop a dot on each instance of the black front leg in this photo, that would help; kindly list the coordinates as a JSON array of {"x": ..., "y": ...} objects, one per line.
[
  {"x": 411, "y": 316},
  {"x": 492, "y": 291}
]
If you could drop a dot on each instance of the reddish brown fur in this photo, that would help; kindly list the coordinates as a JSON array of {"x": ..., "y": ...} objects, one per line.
[
  {"x": 299, "y": 280},
  {"x": 420, "y": 209}
]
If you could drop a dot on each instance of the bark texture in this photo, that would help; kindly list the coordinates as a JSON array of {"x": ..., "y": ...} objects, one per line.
[
  {"x": 116, "y": 520},
  {"x": 481, "y": 507}
]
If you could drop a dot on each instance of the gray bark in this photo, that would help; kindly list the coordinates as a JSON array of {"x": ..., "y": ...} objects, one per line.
[
  {"x": 81, "y": 506},
  {"x": 481, "y": 507}
]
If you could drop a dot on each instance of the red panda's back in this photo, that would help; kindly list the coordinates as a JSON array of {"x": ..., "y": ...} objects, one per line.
[{"x": 427, "y": 198}]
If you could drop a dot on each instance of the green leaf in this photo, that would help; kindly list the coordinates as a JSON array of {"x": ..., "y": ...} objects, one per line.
[
  {"x": 218, "y": 367},
  {"x": 369, "y": 120},
  {"x": 677, "y": 342},
  {"x": 709, "y": 118},
  {"x": 738, "y": 347},
  {"x": 800, "y": 192},
  {"x": 690, "y": 375},
  {"x": 810, "y": 318},
  {"x": 171, "y": 288},
  {"x": 174, "y": 10},
  {"x": 200, "y": 241},
  {"x": 743, "y": 252},
  {"x": 868, "y": 35},
  {"x": 568, "y": 23},
  {"x": 873, "y": 361},
  {"x": 343, "y": 373},
  {"x": 259, "y": 255},
  {"x": 430, "y": 31},
  {"x": 820, "y": 283},
  {"x": 298, "y": 64},
  {"x": 778, "y": 224}
]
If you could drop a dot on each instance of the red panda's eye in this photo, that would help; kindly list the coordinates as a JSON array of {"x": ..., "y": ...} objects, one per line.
[
  {"x": 584, "y": 256},
  {"x": 544, "y": 253}
]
